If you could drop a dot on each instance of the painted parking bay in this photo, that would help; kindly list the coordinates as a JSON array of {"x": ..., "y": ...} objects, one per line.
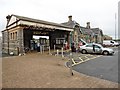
[{"x": 78, "y": 58}]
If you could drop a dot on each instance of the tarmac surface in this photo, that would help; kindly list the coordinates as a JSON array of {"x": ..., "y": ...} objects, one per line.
[
  {"x": 100, "y": 66},
  {"x": 104, "y": 67},
  {"x": 45, "y": 71}
]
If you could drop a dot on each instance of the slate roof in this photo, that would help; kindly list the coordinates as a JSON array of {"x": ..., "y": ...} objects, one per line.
[
  {"x": 40, "y": 21},
  {"x": 71, "y": 24},
  {"x": 91, "y": 31},
  {"x": 95, "y": 30},
  {"x": 86, "y": 31}
]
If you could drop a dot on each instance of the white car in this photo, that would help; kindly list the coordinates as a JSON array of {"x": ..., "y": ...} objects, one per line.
[
  {"x": 114, "y": 43},
  {"x": 95, "y": 48},
  {"x": 110, "y": 43}
]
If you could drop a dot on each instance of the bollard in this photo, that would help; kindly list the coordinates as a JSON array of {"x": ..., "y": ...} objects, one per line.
[
  {"x": 62, "y": 52},
  {"x": 49, "y": 51},
  {"x": 57, "y": 52},
  {"x": 71, "y": 73},
  {"x": 54, "y": 48},
  {"x": 41, "y": 49}
]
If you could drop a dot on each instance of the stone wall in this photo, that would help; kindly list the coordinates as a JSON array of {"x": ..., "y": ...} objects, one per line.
[
  {"x": 5, "y": 41},
  {"x": 13, "y": 40}
]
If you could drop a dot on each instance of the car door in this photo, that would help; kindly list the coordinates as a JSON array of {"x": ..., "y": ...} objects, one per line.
[
  {"x": 98, "y": 49},
  {"x": 89, "y": 48}
]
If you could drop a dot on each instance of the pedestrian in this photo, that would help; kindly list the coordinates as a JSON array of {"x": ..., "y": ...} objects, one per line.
[
  {"x": 93, "y": 48},
  {"x": 73, "y": 48},
  {"x": 38, "y": 47}
]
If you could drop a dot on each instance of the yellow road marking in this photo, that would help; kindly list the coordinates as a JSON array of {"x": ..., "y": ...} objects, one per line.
[
  {"x": 73, "y": 61},
  {"x": 82, "y": 61}
]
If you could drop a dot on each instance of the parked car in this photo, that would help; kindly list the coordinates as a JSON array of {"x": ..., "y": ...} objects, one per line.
[
  {"x": 110, "y": 43},
  {"x": 95, "y": 48},
  {"x": 115, "y": 43}
]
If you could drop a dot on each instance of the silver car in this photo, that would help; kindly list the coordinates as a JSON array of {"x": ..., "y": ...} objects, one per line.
[{"x": 95, "y": 48}]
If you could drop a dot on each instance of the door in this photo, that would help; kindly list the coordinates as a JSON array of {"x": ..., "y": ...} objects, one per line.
[
  {"x": 98, "y": 49},
  {"x": 89, "y": 48}
]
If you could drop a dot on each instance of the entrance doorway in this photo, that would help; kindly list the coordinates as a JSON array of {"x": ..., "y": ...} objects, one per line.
[
  {"x": 39, "y": 42},
  {"x": 34, "y": 39}
]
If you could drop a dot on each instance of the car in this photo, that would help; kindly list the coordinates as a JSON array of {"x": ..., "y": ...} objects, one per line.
[
  {"x": 110, "y": 43},
  {"x": 96, "y": 48},
  {"x": 114, "y": 43}
]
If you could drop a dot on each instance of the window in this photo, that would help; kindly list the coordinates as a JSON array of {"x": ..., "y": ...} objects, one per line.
[
  {"x": 13, "y": 35},
  {"x": 111, "y": 41},
  {"x": 97, "y": 46},
  {"x": 60, "y": 40},
  {"x": 16, "y": 35}
]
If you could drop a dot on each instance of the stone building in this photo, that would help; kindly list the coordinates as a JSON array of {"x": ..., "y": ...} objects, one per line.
[
  {"x": 106, "y": 37},
  {"x": 75, "y": 35},
  {"x": 87, "y": 33},
  {"x": 98, "y": 35},
  {"x": 20, "y": 30},
  {"x": 91, "y": 34}
]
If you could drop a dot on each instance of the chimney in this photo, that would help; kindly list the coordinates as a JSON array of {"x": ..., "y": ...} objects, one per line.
[
  {"x": 70, "y": 18},
  {"x": 8, "y": 19},
  {"x": 88, "y": 25}
]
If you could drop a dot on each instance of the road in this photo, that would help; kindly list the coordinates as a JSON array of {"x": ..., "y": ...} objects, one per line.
[{"x": 104, "y": 67}]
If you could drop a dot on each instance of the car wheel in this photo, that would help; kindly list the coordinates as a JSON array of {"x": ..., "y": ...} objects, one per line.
[
  {"x": 84, "y": 51},
  {"x": 105, "y": 53}
]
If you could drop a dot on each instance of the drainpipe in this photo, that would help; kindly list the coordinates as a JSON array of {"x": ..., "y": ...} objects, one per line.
[
  {"x": 8, "y": 18},
  {"x": 8, "y": 40}
]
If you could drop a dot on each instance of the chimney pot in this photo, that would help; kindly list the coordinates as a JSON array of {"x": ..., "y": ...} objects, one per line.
[
  {"x": 8, "y": 17},
  {"x": 70, "y": 18},
  {"x": 88, "y": 25}
]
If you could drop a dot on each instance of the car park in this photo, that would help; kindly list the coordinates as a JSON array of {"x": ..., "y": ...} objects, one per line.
[{"x": 96, "y": 48}]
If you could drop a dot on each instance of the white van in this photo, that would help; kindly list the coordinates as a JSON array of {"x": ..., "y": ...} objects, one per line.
[{"x": 110, "y": 43}]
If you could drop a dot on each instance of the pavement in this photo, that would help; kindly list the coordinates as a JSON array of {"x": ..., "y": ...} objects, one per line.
[{"x": 38, "y": 70}]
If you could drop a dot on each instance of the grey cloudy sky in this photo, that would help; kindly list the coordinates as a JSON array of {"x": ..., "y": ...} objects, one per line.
[{"x": 101, "y": 13}]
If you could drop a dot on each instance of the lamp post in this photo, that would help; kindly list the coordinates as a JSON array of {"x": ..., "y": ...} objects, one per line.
[
  {"x": 115, "y": 26},
  {"x": 71, "y": 57},
  {"x": 70, "y": 38}
]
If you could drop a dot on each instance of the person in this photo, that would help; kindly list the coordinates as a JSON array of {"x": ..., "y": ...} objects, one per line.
[
  {"x": 93, "y": 48},
  {"x": 80, "y": 44},
  {"x": 66, "y": 45},
  {"x": 38, "y": 47},
  {"x": 73, "y": 48}
]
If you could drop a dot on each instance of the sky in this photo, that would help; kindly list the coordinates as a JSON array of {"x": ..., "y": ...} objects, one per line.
[{"x": 100, "y": 13}]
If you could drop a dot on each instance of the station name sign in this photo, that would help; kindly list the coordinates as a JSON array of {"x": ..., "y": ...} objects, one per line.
[{"x": 40, "y": 33}]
